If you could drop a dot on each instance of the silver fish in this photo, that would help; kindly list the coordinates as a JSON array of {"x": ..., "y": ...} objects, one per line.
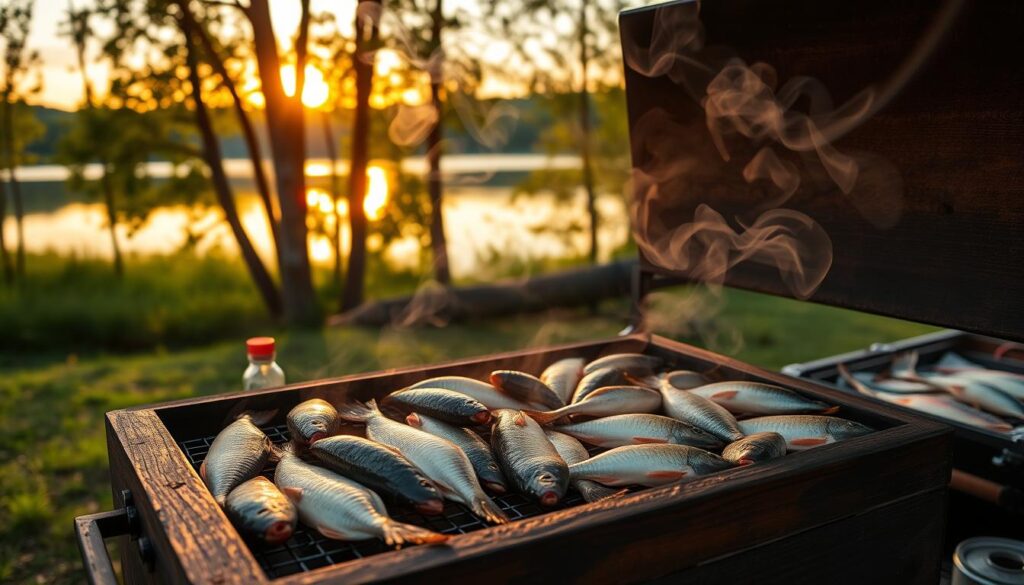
[
  {"x": 482, "y": 392},
  {"x": 343, "y": 509},
  {"x": 478, "y": 451},
  {"x": 448, "y": 405},
  {"x": 572, "y": 451},
  {"x": 636, "y": 429},
  {"x": 599, "y": 379},
  {"x": 312, "y": 420},
  {"x": 238, "y": 453},
  {"x": 755, "y": 448},
  {"x": 260, "y": 510},
  {"x": 606, "y": 402},
  {"x": 526, "y": 388},
  {"x": 441, "y": 460},
  {"x": 690, "y": 407},
  {"x": 562, "y": 377},
  {"x": 940, "y": 405},
  {"x": 804, "y": 431},
  {"x": 648, "y": 465},
  {"x": 973, "y": 391},
  {"x": 636, "y": 364},
  {"x": 1008, "y": 382},
  {"x": 755, "y": 398},
  {"x": 894, "y": 385},
  {"x": 528, "y": 459}
]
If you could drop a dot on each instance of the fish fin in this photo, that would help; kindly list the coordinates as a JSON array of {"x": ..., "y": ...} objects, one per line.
[
  {"x": 595, "y": 492},
  {"x": 485, "y": 508},
  {"x": 277, "y": 452},
  {"x": 333, "y": 534},
  {"x": 666, "y": 474},
  {"x": 653, "y": 381},
  {"x": 413, "y": 420},
  {"x": 545, "y": 417},
  {"x": 294, "y": 494},
  {"x": 260, "y": 417},
  {"x": 519, "y": 419},
  {"x": 605, "y": 479},
  {"x": 221, "y": 500},
  {"x": 725, "y": 395},
  {"x": 356, "y": 412},
  {"x": 830, "y": 410},
  {"x": 397, "y": 534},
  {"x": 904, "y": 401},
  {"x": 809, "y": 441},
  {"x": 202, "y": 470},
  {"x": 647, "y": 440}
]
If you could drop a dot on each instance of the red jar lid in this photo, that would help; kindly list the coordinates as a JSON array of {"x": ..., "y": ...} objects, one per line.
[{"x": 260, "y": 347}]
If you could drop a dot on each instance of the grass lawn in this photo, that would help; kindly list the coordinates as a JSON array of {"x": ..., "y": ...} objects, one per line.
[{"x": 53, "y": 462}]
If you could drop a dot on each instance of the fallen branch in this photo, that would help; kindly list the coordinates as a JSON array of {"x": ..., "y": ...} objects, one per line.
[{"x": 436, "y": 305}]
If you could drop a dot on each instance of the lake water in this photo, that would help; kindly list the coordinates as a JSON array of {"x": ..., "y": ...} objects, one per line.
[{"x": 482, "y": 218}]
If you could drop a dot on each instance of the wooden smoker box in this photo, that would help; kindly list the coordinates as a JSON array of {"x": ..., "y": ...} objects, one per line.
[{"x": 867, "y": 509}]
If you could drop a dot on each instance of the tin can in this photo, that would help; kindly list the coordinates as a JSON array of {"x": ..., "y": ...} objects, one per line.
[{"x": 989, "y": 561}]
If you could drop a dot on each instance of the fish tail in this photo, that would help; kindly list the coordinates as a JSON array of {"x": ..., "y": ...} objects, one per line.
[
  {"x": 546, "y": 417},
  {"x": 258, "y": 417},
  {"x": 485, "y": 508},
  {"x": 358, "y": 412},
  {"x": 595, "y": 492},
  {"x": 397, "y": 534}
]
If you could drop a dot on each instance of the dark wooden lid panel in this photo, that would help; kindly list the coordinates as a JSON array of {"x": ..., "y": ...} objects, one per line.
[{"x": 933, "y": 228}]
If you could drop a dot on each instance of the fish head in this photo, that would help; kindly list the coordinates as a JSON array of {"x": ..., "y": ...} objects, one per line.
[
  {"x": 312, "y": 423},
  {"x": 425, "y": 496},
  {"x": 696, "y": 437},
  {"x": 846, "y": 429},
  {"x": 549, "y": 483},
  {"x": 269, "y": 519}
]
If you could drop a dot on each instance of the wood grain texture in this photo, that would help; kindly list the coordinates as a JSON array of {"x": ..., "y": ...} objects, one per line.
[
  {"x": 934, "y": 226},
  {"x": 640, "y": 536},
  {"x": 193, "y": 540}
]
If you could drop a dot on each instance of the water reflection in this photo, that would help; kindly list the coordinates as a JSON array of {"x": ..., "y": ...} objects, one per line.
[{"x": 482, "y": 223}]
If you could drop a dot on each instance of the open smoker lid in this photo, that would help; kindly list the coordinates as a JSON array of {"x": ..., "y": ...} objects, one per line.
[{"x": 866, "y": 154}]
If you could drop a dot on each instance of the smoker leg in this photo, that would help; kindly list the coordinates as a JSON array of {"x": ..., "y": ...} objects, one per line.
[{"x": 640, "y": 286}]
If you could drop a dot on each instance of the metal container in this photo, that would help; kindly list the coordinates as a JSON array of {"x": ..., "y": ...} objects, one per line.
[{"x": 989, "y": 561}]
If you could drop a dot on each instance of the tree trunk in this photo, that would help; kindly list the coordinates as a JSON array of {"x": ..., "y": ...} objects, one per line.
[
  {"x": 438, "y": 242},
  {"x": 588, "y": 178},
  {"x": 222, "y": 188},
  {"x": 571, "y": 288},
  {"x": 286, "y": 126},
  {"x": 12, "y": 180},
  {"x": 332, "y": 153},
  {"x": 252, "y": 142},
  {"x": 108, "y": 200},
  {"x": 5, "y": 258},
  {"x": 366, "y": 34}
]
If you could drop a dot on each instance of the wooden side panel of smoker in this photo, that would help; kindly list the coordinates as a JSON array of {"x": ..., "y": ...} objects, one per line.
[
  {"x": 946, "y": 248},
  {"x": 895, "y": 544},
  {"x": 193, "y": 541}
]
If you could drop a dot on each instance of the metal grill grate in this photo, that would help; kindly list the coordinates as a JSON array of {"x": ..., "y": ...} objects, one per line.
[{"x": 307, "y": 549}]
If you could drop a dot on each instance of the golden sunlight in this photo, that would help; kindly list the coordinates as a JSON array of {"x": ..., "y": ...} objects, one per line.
[
  {"x": 320, "y": 249},
  {"x": 376, "y": 192},
  {"x": 315, "y": 91}
]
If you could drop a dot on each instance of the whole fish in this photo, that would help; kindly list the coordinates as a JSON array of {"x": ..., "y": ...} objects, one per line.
[
  {"x": 599, "y": 379},
  {"x": 1008, "y": 382},
  {"x": 528, "y": 459},
  {"x": 935, "y": 404},
  {"x": 380, "y": 468},
  {"x": 441, "y": 460},
  {"x": 572, "y": 451},
  {"x": 636, "y": 364},
  {"x": 690, "y": 407},
  {"x": 482, "y": 392},
  {"x": 606, "y": 402},
  {"x": 894, "y": 385},
  {"x": 648, "y": 465},
  {"x": 804, "y": 431},
  {"x": 685, "y": 379},
  {"x": 755, "y": 448},
  {"x": 636, "y": 429},
  {"x": 526, "y": 388},
  {"x": 447, "y": 405},
  {"x": 972, "y": 391},
  {"x": 478, "y": 451},
  {"x": 562, "y": 377},
  {"x": 757, "y": 398},
  {"x": 312, "y": 420},
  {"x": 342, "y": 509},
  {"x": 260, "y": 510},
  {"x": 238, "y": 453}
]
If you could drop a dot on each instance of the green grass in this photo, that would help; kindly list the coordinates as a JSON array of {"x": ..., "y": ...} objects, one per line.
[{"x": 53, "y": 462}]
